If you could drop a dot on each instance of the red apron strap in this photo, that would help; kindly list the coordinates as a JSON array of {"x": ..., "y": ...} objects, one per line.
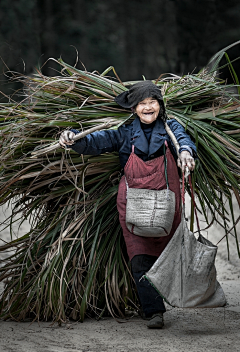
[{"x": 132, "y": 148}]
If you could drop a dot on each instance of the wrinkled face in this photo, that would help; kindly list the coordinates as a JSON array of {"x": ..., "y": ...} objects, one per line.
[{"x": 148, "y": 110}]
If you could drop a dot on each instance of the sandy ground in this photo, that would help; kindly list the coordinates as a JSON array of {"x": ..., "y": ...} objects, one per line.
[{"x": 192, "y": 330}]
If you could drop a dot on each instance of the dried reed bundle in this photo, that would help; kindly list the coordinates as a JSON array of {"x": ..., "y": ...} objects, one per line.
[{"x": 73, "y": 261}]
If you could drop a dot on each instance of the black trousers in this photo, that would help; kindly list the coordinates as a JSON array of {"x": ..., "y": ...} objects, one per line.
[{"x": 150, "y": 299}]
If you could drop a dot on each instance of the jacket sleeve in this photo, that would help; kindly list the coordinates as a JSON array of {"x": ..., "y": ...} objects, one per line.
[
  {"x": 99, "y": 142},
  {"x": 182, "y": 137}
]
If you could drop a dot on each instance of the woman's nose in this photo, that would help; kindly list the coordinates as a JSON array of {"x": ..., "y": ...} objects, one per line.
[{"x": 148, "y": 106}]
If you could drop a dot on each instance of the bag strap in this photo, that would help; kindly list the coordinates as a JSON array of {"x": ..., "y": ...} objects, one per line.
[
  {"x": 192, "y": 197},
  {"x": 194, "y": 204},
  {"x": 165, "y": 163},
  {"x": 183, "y": 189}
]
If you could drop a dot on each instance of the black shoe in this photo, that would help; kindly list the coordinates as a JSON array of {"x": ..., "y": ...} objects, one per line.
[{"x": 156, "y": 321}]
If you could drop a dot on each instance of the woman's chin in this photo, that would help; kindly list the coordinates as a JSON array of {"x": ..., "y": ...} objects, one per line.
[{"x": 147, "y": 120}]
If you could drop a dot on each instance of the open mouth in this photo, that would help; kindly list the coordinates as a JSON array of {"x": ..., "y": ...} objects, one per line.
[{"x": 148, "y": 113}]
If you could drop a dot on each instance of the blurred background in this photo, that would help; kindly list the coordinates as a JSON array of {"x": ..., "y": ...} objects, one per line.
[{"x": 136, "y": 37}]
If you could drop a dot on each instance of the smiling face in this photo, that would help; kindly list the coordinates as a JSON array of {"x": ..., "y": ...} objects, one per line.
[{"x": 148, "y": 110}]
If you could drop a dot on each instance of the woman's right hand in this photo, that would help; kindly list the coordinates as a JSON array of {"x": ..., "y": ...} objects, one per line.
[{"x": 66, "y": 138}]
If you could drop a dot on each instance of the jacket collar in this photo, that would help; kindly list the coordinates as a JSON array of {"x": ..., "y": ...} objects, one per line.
[{"x": 140, "y": 141}]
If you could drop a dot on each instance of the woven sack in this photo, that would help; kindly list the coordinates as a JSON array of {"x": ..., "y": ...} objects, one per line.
[
  {"x": 185, "y": 273},
  {"x": 150, "y": 213}
]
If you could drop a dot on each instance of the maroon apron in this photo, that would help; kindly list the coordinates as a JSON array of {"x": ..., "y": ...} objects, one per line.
[{"x": 149, "y": 175}]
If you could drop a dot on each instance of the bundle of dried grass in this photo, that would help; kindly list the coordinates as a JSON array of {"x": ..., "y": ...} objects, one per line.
[{"x": 73, "y": 260}]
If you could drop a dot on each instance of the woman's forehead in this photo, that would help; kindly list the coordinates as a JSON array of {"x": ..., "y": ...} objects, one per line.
[{"x": 146, "y": 100}]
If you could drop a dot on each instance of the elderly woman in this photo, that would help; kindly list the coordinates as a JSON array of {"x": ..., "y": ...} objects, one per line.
[{"x": 149, "y": 161}]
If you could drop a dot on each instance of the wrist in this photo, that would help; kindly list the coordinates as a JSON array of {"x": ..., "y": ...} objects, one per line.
[{"x": 185, "y": 148}]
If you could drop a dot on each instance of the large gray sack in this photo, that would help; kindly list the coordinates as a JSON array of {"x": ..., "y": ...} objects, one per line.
[{"x": 185, "y": 273}]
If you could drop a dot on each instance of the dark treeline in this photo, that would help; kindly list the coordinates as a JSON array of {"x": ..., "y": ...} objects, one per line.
[{"x": 136, "y": 37}]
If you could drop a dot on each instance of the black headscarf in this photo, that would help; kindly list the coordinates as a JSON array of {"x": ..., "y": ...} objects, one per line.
[{"x": 140, "y": 91}]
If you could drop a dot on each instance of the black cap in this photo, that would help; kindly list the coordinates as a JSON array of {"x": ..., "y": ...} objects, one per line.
[{"x": 138, "y": 92}]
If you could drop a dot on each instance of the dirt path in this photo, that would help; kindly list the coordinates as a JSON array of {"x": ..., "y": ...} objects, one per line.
[
  {"x": 186, "y": 330},
  {"x": 193, "y": 330}
]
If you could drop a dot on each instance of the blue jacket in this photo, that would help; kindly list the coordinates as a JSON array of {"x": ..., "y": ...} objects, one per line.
[{"x": 121, "y": 141}]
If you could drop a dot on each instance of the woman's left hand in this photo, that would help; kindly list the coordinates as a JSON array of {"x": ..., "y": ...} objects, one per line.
[{"x": 186, "y": 160}]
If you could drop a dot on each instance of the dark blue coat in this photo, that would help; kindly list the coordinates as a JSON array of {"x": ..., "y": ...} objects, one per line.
[{"x": 121, "y": 141}]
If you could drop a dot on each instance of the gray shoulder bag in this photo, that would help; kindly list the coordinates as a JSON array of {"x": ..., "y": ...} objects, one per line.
[{"x": 150, "y": 213}]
